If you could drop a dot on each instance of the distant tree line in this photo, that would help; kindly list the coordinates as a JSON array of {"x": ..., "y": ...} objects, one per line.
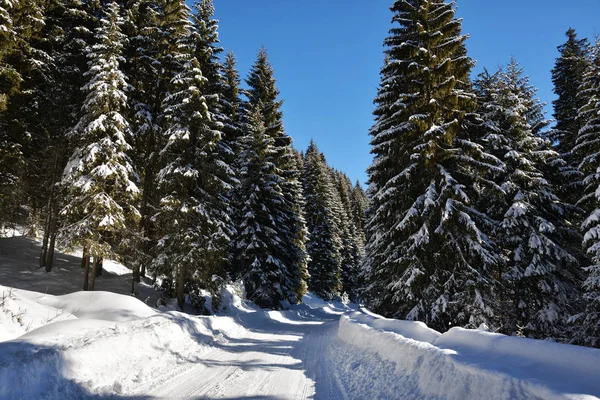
[{"x": 124, "y": 133}]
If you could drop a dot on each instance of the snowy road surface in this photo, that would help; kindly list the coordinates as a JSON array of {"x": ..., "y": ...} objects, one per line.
[{"x": 278, "y": 358}]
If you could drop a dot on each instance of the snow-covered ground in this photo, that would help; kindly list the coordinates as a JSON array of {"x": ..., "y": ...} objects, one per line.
[{"x": 62, "y": 344}]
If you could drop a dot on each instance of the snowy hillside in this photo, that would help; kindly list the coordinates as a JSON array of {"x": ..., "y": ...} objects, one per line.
[{"x": 89, "y": 344}]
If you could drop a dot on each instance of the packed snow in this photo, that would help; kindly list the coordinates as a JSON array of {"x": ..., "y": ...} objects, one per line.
[{"x": 72, "y": 344}]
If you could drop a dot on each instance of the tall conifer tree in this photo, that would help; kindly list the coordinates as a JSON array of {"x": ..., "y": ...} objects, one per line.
[
  {"x": 588, "y": 149},
  {"x": 262, "y": 95},
  {"x": 324, "y": 246},
  {"x": 540, "y": 274},
  {"x": 427, "y": 257},
  {"x": 99, "y": 178}
]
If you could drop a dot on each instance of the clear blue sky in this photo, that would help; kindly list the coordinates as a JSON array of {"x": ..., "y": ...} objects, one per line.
[{"x": 327, "y": 55}]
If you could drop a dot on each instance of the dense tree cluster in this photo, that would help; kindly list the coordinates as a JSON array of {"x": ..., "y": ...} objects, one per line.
[
  {"x": 124, "y": 133},
  {"x": 480, "y": 213}
]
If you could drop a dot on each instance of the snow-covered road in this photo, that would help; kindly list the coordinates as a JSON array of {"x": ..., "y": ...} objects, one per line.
[{"x": 278, "y": 358}]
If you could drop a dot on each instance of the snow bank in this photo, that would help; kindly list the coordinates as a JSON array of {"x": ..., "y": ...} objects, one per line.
[
  {"x": 568, "y": 361},
  {"x": 95, "y": 343},
  {"x": 409, "y": 329},
  {"x": 67, "y": 359},
  {"x": 463, "y": 364},
  {"x": 105, "y": 306},
  {"x": 19, "y": 314}
]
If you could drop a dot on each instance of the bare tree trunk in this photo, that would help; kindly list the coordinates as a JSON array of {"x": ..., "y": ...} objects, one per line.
[
  {"x": 84, "y": 256},
  {"x": 86, "y": 270},
  {"x": 44, "y": 252},
  {"x": 94, "y": 272},
  {"x": 52, "y": 232},
  {"x": 47, "y": 256},
  {"x": 100, "y": 265},
  {"x": 145, "y": 223},
  {"x": 180, "y": 285}
]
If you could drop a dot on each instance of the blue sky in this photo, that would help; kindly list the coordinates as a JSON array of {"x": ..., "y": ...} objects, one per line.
[{"x": 327, "y": 55}]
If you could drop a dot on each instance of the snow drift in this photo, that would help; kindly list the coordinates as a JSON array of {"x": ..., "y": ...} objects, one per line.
[{"x": 467, "y": 364}]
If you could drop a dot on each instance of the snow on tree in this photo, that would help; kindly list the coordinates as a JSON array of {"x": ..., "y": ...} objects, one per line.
[
  {"x": 352, "y": 243},
  {"x": 262, "y": 95},
  {"x": 539, "y": 275},
  {"x": 231, "y": 102},
  {"x": 20, "y": 68},
  {"x": 567, "y": 76},
  {"x": 324, "y": 243},
  {"x": 193, "y": 213},
  {"x": 588, "y": 149},
  {"x": 99, "y": 179},
  {"x": 144, "y": 30},
  {"x": 206, "y": 39},
  {"x": 264, "y": 274},
  {"x": 427, "y": 257}
]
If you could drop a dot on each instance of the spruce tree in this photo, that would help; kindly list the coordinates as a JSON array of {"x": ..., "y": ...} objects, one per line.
[
  {"x": 262, "y": 97},
  {"x": 99, "y": 179},
  {"x": 427, "y": 257},
  {"x": 193, "y": 213},
  {"x": 539, "y": 274},
  {"x": 351, "y": 242},
  {"x": 567, "y": 76},
  {"x": 323, "y": 246},
  {"x": 264, "y": 273},
  {"x": 147, "y": 80},
  {"x": 232, "y": 108},
  {"x": 588, "y": 149},
  {"x": 21, "y": 68}
]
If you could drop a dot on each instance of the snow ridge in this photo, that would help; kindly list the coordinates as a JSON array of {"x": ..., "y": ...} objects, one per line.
[{"x": 471, "y": 364}]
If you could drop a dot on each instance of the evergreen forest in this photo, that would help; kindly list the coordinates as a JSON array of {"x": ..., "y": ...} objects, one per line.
[{"x": 127, "y": 132}]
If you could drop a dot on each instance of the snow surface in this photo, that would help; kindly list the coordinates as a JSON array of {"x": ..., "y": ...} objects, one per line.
[
  {"x": 66, "y": 345},
  {"x": 471, "y": 364}
]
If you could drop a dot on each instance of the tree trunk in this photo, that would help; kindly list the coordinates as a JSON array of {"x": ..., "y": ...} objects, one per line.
[
  {"x": 52, "y": 232},
  {"x": 180, "y": 285},
  {"x": 145, "y": 223},
  {"x": 100, "y": 265},
  {"x": 50, "y": 228},
  {"x": 97, "y": 262},
  {"x": 86, "y": 270},
  {"x": 43, "y": 254}
]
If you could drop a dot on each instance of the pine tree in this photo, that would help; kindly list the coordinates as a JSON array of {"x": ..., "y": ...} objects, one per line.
[
  {"x": 100, "y": 182},
  {"x": 588, "y": 149},
  {"x": 193, "y": 213},
  {"x": 232, "y": 108},
  {"x": 147, "y": 80},
  {"x": 265, "y": 275},
  {"x": 350, "y": 251},
  {"x": 540, "y": 274},
  {"x": 20, "y": 68},
  {"x": 262, "y": 96},
  {"x": 427, "y": 257},
  {"x": 206, "y": 39},
  {"x": 567, "y": 76},
  {"x": 360, "y": 204},
  {"x": 323, "y": 244}
]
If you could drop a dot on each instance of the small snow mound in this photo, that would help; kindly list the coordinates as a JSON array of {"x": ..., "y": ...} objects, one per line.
[
  {"x": 19, "y": 314},
  {"x": 105, "y": 306},
  {"x": 9, "y": 232},
  {"x": 232, "y": 300},
  {"x": 409, "y": 329},
  {"x": 337, "y": 307}
]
